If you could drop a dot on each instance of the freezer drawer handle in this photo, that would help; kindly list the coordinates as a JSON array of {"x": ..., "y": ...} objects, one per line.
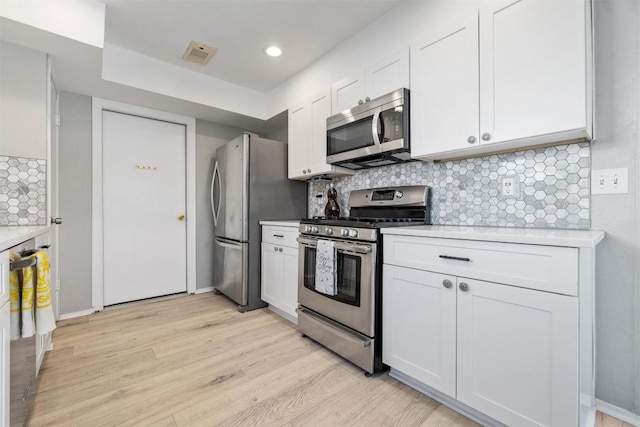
[
  {"x": 228, "y": 245},
  {"x": 455, "y": 258}
]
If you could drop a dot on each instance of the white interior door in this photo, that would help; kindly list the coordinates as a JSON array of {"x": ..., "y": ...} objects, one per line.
[{"x": 144, "y": 191}]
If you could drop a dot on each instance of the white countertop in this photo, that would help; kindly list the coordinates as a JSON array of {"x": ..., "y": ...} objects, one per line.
[
  {"x": 14, "y": 235},
  {"x": 532, "y": 236},
  {"x": 283, "y": 223}
]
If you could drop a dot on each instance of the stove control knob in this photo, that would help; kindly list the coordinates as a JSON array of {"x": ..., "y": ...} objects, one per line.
[
  {"x": 307, "y": 229},
  {"x": 399, "y": 194},
  {"x": 353, "y": 233},
  {"x": 314, "y": 229},
  {"x": 344, "y": 232},
  {"x": 329, "y": 231}
]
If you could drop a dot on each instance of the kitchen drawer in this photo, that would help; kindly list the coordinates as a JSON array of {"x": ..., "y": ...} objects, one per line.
[
  {"x": 282, "y": 236},
  {"x": 545, "y": 268}
]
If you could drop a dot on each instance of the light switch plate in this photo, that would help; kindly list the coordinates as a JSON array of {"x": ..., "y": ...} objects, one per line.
[{"x": 610, "y": 181}]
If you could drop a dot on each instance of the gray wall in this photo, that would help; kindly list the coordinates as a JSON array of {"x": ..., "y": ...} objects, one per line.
[
  {"x": 617, "y": 39},
  {"x": 23, "y": 102},
  {"x": 74, "y": 178},
  {"x": 209, "y": 136}
]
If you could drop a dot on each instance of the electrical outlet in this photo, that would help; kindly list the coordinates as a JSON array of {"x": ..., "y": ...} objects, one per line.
[
  {"x": 510, "y": 186},
  {"x": 610, "y": 181}
]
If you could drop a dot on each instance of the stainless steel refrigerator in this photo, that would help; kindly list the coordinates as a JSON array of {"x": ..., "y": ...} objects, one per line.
[{"x": 249, "y": 185}]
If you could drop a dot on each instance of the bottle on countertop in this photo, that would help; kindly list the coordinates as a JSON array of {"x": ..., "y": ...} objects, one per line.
[{"x": 331, "y": 209}]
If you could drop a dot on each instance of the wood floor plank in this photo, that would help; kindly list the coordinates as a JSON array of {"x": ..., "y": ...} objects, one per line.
[{"x": 196, "y": 361}]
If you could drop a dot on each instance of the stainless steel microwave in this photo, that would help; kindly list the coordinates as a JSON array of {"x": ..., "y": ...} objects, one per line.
[{"x": 372, "y": 134}]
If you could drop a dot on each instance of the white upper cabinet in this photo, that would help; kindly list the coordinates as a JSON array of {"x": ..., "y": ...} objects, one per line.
[
  {"x": 514, "y": 75},
  {"x": 308, "y": 139},
  {"x": 445, "y": 111},
  {"x": 384, "y": 76}
]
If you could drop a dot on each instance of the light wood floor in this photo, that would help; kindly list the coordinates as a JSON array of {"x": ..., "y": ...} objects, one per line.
[{"x": 196, "y": 361}]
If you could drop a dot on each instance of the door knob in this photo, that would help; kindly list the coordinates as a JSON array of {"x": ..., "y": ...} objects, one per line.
[
  {"x": 56, "y": 221},
  {"x": 181, "y": 217}
]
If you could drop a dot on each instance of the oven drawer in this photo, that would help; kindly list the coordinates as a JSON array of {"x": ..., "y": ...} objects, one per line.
[
  {"x": 349, "y": 344},
  {"x": 283, "y": 236},
  {"x": 545, "y": 268}
]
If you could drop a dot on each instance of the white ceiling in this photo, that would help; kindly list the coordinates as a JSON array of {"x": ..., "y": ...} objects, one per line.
[{"x": 241, "y": 29}]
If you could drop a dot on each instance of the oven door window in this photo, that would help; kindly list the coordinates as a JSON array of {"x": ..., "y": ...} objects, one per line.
[{"x": 349, "y": 276}]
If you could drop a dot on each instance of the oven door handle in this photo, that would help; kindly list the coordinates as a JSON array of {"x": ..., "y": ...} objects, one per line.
[
  {"x": 353, "y": 248},
  {"x": 311, "y": 243}
]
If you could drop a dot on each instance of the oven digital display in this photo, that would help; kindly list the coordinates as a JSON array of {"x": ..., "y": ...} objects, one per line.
[{"x": 383, "y": 195}]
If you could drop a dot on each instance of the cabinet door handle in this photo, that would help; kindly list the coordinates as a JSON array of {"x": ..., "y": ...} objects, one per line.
[
  {"x": 280, "y": 249},
  {"x": 447, "y": 283},
  {"x": 304, "y": 171},
  {"x": 455, "y": 258},
  {"x": 471, "y": 139},
  {"x": 486, "y": 136},
  {"x": 278, "y": 235},
  {"x": 275, "y": 248},
  {"x": 360, "y": 102},
  {"x": 463, "y": 287},
  {"x": 45, "y": 246}
]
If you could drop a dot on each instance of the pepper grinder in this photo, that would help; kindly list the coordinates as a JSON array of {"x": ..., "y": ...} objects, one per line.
[{"x": 332, "y": 210}]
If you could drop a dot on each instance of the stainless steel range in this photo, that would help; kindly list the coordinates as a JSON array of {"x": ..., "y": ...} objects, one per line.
[{"x": 340, "y": 306}]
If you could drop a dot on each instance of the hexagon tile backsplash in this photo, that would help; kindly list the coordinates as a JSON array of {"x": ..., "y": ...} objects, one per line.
[
  {"x": 23, "y": 191},
  {"x": 554, "y": 188}
]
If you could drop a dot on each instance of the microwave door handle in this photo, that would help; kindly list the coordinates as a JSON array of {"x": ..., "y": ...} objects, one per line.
[{"x": 374, "y": 126}]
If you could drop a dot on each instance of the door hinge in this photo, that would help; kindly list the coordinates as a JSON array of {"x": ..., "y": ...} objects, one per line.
[
  {"x": 57, "y": 285},
  {"x": 57, "y": 119}
]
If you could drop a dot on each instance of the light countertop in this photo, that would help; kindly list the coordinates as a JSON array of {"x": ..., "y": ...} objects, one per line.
[
  {"x": 14, "y": 235},
  {"x": 532, "y": 236},
  {"x": 284, "y": 223}
]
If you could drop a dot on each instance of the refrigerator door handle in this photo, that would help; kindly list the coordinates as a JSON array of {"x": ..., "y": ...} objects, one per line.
[{"x": 216, "y": 177}]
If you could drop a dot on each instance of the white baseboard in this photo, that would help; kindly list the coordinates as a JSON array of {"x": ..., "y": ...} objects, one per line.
[
  {"x": 448, "y": 401},
  {"x": 77, "y": 314},
  {"x": 617, "y": 412},
  {"x": 203, "y": 290},
  {"x": 284, "y": 314}
]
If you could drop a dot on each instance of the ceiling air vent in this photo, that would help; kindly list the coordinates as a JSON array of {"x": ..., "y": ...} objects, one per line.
[{"x": 199, "y": 53}]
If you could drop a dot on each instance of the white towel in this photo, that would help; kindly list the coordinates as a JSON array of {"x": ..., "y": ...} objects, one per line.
[{"x": 326, "y": 267}]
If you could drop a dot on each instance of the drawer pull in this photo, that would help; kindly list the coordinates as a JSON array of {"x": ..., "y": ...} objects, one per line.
[
  {"x": 278, "y": 235},
  {"x": 456, "y": 258}
]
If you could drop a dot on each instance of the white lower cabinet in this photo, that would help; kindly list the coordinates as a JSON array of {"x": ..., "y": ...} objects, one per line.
[
  {"x": 419, "y": 326},
  {"x": 504, "y": 351},
  {"x": 4, "y": 364},
  {"x": 279, "y": 270}
]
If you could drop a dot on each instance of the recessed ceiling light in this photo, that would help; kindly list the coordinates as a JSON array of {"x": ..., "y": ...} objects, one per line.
[{"x": 273, "y": 51}]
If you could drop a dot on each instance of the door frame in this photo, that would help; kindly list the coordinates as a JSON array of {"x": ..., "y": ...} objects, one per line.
[{"x": 97, "y": 223}]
